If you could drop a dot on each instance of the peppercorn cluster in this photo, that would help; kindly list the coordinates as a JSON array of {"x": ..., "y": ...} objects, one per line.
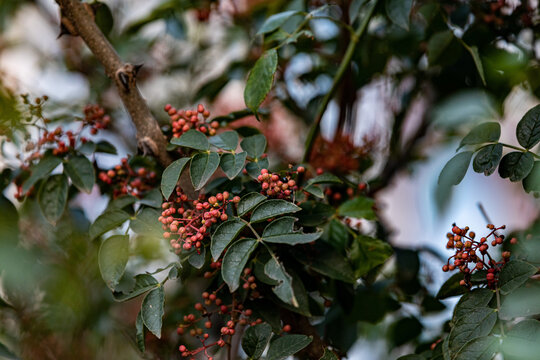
[
  {"x": 184, "y": 120},
  {"x": 126, "y": 180}
]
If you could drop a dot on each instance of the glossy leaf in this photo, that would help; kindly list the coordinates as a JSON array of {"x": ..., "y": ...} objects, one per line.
[
  {"x": 248, "y": 202},
  {"x": 522, "y": 341},
  {"x": 232, "y": 164},
  {"x": 197, "y": 259},
  {"x": 225, "y": 233},
  {"x": 477, "y": 323},
  {"x": 454, "y": 171},
  {"x": 451, "y": 287},
  {"x": 170, "y": 176},
  {"x": 315, "y": 191},
  {"x": 152, "y": 310},
  {"x": 235, "y": 260},
  {"x": 146, "y": 222},
  {"x": 281, "y": 231},
  {"x": 473, "y": 50},
  {"x": 153, "y": 198},
  {"x": 399, "y": 11},
  {"x": 367, "y": 253},
  {"x": 112, "y": 258},
  {"x": 275, "y": 21},
  {"x": 516, "y": 165},
  {"x": 227, "y": 140},
  {"x": 325, "y": 178},
  {"x": 286, "y": 346},
  {"x": 329, "y": 263},
  {"x": 107, "y": 221},
  {"x": 81, "y": 172},
  {"x": 487, "y": 159},
  {"x": 359, "y": 207},
  {"x": 254, "y": 167},
  {"x": 254, "y": 145},
  {"x": 514, "y": 274},
  {"x": 143, "y": 283},
  {"x": 477, "y": 298},
  {"x": 483, "y": 133},
  {"x": 284, "y": 289},
  {"x": 437, "y": 44},
  {"x": 314, "y": 213},
  {"x": 192, "y": 139},
  {"x": 203, "y": 166},
  {"x": 528, "y": 128},
  {"x": 39, "y": 171},
  {"x": 255, "y": 340},
  {"x": 106, "y": 147},
  {"x": 522, "y": 301},
  {"x": 52, "y": 197},
  {"x": 272, "y": 208},
  {"x": 139, "y": 332},
  {"x": 260, "y": 80},
  {"x": 483, "y": 348}
]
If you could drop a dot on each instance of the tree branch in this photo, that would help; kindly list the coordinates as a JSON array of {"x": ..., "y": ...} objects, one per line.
[{"x": 150, "y": 139}]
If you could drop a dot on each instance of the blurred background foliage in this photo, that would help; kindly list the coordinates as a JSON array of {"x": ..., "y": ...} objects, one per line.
[{"x": 413, "y": 86}]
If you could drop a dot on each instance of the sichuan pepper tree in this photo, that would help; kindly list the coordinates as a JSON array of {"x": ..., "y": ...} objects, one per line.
[{"x": 271, "y": 256}]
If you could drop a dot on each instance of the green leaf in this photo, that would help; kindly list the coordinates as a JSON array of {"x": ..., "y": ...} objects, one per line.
[
  {"x": 105, "y": 147},
  {"x": 478, "y": 298},
  {"x": 232, "y": 164},
  {"x": 454, "y": 171},
  {"x": 192, "y": 139},
  {"x": 256, "y": 339},
  {"x": 281, "y": 231},
  {"x": 143, "y": 283},
  {"x": 203, "y": 166},
  {"x": 121, "y": 202},
  {"x": 5, "y": 353},
  {"x": 532, "y": 181},
  {"x": 284, "y": 290},
  {"x": 139, "y": 335},
  {"x": 522, "y": 341},
  {"x": 107, "y": 221},
  {"x": 103, "y": 17},
  {"x": 522, "y": 301},
  {"x": 254, "y": 167},
  {"x": 516, "y": 165},
  {"x": 39, "y": 171},
  {"x": 359, "y": 207},
  {"x": 477, "y": 323},
  {"x": 52, "y": 197},
  {"x": 81, "y": 172},
  {"x": 227, "y": 140},
  {"x": 315, "y": 191},
  {"x": 152, "y": 310},
  {"x": 528, "y": 128},
  {"x": 399, "y": 11},
  {"x": 451, "y": 287},
  {"x": 272, "y": 208},
  {"x": 328, "y": 355},
  {"x": 171, "y": 175},
  {"x": 287, "y": 345},
  {"x": 248, "y": 202},
  {"x": 437, "y": 44},
  {"x": 483, "y": 348},
  {"x": 225, "y": 233},
  {"x": 275, "y": 21},
  {"x": 235, "y": 260},
  {"x": 254, "y": 145},
  {"x": 146, "y": 222},
  {"x": 153, "y": 198},
  {"x": 514, "y": 274},
  {"x": 328, "y": 262},
  {"x": 487, "y": 159},
  {"x": 473, "y": 50},
  {"x": 367, "y": 253},
  {"x": 315, "y": 213},
  {"x": 483, "y": 133},
  {"x": 112, "y": 258},
  {"x": 325, "y": 178},
  {"x": 197, "y": 259},
  {"x": 411, "y": 357},
  {"x": 260, "y": 80}
]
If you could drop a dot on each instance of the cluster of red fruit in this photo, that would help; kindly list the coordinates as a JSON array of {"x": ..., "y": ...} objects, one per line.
[
  {"x": 281, "y": 187},
  {"x": 475, "y": 253},
  {"x": 214, "y": 307},
  {"x": 184, "y": 120},
  {"x": 95, "y": 117},
  {"x": 187, "y": 222},
  {"x": 124, "y": 180}
]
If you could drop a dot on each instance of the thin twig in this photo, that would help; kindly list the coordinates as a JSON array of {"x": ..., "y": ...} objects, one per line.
[{"x": 150, "y": 138}]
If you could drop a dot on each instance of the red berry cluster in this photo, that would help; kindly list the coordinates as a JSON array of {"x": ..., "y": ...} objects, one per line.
[
  {"x": 281, "y": 187},
  {"x": 95, "y": 117},
  {"x": 471, "y": 252},
  {"x": 184, "y": 120},
  {"x": 214, "y": 311},
  {"x": 124, "y": 179},
  {"x": 187, "y": 222}
]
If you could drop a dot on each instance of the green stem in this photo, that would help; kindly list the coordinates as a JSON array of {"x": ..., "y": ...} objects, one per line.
[
  {"x": 498, "y": 296},
  {"x": 347, "y": 58},
  {"x": 519, "y": 149},
  {"x": 252, "y": 230}
]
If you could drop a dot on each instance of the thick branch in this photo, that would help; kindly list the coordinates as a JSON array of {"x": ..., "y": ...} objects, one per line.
[{"x": 150, "y": 139}]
